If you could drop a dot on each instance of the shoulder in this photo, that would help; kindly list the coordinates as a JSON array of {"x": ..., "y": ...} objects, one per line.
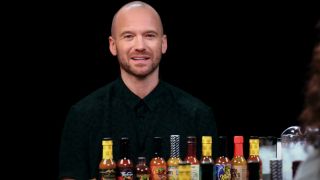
[
  {"x": 185, "y": 99},
  {"x": 95, "y": 99}
]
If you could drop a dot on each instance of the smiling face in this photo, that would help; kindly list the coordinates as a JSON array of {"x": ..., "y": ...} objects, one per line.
[{"x": 138, "y": 40}]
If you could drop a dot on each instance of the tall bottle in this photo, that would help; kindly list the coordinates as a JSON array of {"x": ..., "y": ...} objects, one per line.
[
  {"x": 107, "y": 167},
  {"x": 254, "y": 160},
  {"x": 125, "y": 165},
  {"x": 206, "y": 162},
  {"x": 174, "y": 160},
  {"x": 238, "y": 163},
  {"x": 142, "y": 170},
  {"x": 192, "y": 157},
  {"x": 222, "y": 163},
  {"x": 158, "y": 165}
]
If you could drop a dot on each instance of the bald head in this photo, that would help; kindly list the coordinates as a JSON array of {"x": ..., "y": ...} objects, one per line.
[{"x": 133, "y": 6}]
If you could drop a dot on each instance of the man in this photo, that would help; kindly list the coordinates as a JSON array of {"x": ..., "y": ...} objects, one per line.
[
  {"x": 137, "y": 105},
  {"x": 310, "y": 117}
]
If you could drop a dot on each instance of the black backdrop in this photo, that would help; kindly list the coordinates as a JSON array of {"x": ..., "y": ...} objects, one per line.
[{"x": 249, "y": 63}]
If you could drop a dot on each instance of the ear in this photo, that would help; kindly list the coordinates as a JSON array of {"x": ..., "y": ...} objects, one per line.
[
  {"x": 112, "y": 46},
  {"x": 164, "y": 44}
]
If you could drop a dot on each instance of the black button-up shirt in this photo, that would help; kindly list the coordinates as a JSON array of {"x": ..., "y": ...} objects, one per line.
[{"x": 114, "y": 111}]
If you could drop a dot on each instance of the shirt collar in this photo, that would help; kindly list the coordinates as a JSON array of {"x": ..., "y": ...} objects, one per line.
[{"x": 157, "y": 96}]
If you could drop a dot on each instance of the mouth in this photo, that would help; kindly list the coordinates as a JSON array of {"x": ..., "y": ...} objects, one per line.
[{"x": 140, "y": 58}]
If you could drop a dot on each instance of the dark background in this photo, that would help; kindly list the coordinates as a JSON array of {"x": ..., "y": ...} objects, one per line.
[{"x": 248, "y": 62}]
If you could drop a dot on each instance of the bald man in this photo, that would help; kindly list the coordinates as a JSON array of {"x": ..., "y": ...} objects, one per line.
[{"x": 137, "y": 105}]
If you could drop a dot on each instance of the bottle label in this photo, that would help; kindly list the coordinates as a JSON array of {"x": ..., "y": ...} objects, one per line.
[
  {"x": 143, "y": 177},
  {"x": 239, "y": 172},
  {"x": 108, "y": 174},
  {"x": 107, "y": 152},
  {"x": 223, "y": 171},
  {"x": 195, "y": 172},
  {"x": 254, "y": 147},
  {"x": 125, "y": 173},
  {"x": 159, "y": 172},
  {"x": 184, "y": 171},
  {"x": 206, "y": 149},
  {"x": 173, "y": 172}
]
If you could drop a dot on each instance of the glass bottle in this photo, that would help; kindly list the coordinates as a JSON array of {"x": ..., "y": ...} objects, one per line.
[
  {"x": 206, "y": 162},
  {"x": 107, "y": 167},
  {"x": 142, "y": 170},
  {"x": 174, "y": 160},
  {"x": 222, "y": 162},
  {"x": 158, "y": 165},
  {"x": 238, "y": 163},
  {"x": 124, "y": 164},
  {"x": 254, "y": 158},
  {"x": 192, "y": 157}
]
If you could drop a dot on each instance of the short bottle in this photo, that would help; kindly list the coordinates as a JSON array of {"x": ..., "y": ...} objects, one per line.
[
  {"x": 107, "y": 167},
  {"x": 158, "y": 165},
  {"x": 125, "y": 164},
  {"x": 142, "y": 170},
  {"x": 239, "y": 169},
  {"x": 222, "y": 162},
  {"x": 254, "y": 161},
  {"x": 192, "y": 157},
  {"x": 206, "y": 162},
  {"x": 174, "y": 160}
]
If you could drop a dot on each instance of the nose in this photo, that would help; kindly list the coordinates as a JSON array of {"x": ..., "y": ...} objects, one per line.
[{"x": 139, "y": 44}]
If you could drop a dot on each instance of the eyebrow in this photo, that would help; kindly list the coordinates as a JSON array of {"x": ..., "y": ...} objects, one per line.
[{"x": 148, "y": 31}]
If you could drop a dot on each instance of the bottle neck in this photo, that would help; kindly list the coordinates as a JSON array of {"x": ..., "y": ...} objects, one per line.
[
  {"x": 107, "y": 152},
  {"x": 222, "y": 147},
  {"x": 124, "y": 152},
  {"x": 254, "y": 147},
  {"x": 238, "y": 149},
  {"x": 142, "y": 161},
  {"x": 206, "y": 149},
  {"x": 157, "y": 150},
  {"x": 192, "y": 149},
  {"x": 174, "y": 146}
]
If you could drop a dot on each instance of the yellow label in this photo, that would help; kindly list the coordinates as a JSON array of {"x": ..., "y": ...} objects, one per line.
[
  {"x": 107, "y": 152},
  {"x": 184, "y": 172},
  {"x": 206, "y": 140},
  {"x": 206, "y": 150},
  {"x": 106, "y": 142},
  {"x": 206, "y": 145},
  {"x": 254, "y": 146}
]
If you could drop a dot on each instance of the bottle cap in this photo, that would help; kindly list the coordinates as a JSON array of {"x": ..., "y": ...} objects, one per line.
[
  {"x": 238, "y": 139},
  {"x": 206, "y": 140},
  {"x": 107, "y": 141}
]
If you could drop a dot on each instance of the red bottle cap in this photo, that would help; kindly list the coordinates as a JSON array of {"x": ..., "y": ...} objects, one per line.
[{"x": 238, "y": 139}]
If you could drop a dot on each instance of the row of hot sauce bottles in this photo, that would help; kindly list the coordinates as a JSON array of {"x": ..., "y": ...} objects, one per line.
[{"x": 238, "y": 168}]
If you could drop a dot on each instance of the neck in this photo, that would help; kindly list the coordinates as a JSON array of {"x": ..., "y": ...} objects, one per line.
[{"x": 141, "y": 86}]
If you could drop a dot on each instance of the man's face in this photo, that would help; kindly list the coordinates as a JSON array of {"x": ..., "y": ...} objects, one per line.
[{"x": 138, "y": 41}]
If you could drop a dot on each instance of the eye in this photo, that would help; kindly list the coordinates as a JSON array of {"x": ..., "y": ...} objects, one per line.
[
  {"x": 150, "y": 35},
  {"x": 128, "y": 36}
]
